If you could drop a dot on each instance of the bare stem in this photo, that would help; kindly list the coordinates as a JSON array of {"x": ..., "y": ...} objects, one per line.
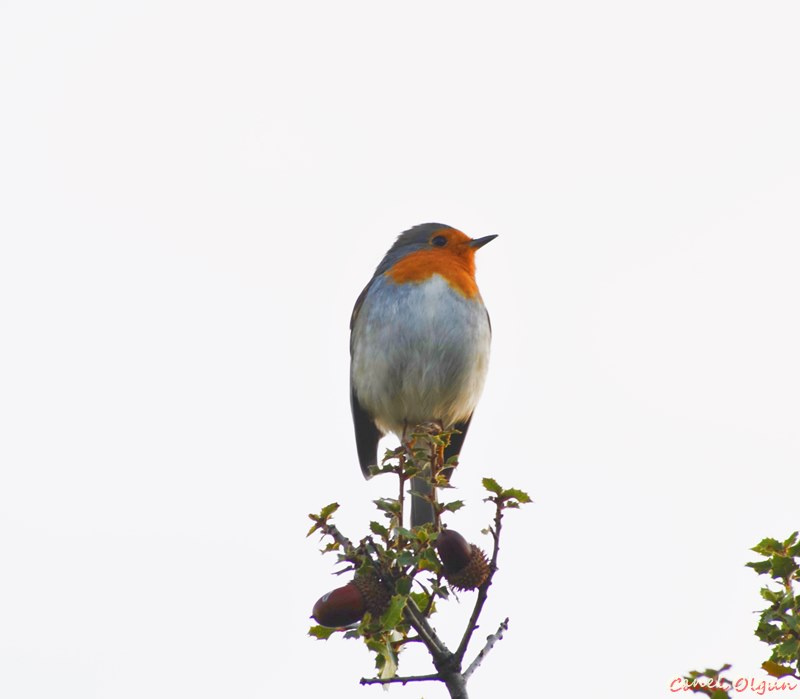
[
  {"x": 400, "y": 680},
  {"x": 483, "y": 592},
  {"x": 332, "y": 531},
  {"x": 490, "y": 641}
]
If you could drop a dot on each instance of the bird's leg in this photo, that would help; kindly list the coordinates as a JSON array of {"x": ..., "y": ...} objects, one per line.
[
  {"x": 440, "y": 453},
  {"x": 405, "y": 440},
  {"x": 423, "y": 504}
]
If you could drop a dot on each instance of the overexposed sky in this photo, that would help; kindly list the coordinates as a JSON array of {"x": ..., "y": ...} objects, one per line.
[{"x": 192, "y": 195}]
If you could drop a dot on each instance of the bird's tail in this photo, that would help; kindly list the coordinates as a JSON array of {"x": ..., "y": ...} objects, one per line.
[{"x": 421, "y": 509}]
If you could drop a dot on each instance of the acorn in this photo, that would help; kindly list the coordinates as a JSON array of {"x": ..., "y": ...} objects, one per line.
[
  {"x": 340, "y": 607},
  {"x": 346, "y": 605},
  {"x": 465, "y": 565}
]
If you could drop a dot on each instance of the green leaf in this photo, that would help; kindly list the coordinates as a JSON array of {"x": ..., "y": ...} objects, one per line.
[
  {"x": 388, "y": 505},
  {"x": 405, "y": 558},
  {"x": 767, "y": 547},
  {"x": 761, "y": 567},
  {"x": 492, "y": 486},
  {"x": 788, "y": 650},
  {"x": 453, "y": 506},
  {"x": 428, "y": 561},
  {"x": 422, "y": 534},
  {"x": 379, "y": 529},
  {"x": 392, "y": 616},
  {"x": 403, "y": 586},
  {"x": 782, "y": 566},
  {"x": 792, "y": 623},
  {"x": 769, "y": 633},
  {"x": 321, "y": 633},
  {"x": 421, "y": 600},
  {"x": 517, "y": 494},
  {"x": 385, "y": 660},
  {"x": 328, "y": 510},
  {"x": 412, "y": 470}
]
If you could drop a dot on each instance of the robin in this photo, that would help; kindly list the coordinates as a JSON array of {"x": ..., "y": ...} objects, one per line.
[{"x": 419, "y": 345}]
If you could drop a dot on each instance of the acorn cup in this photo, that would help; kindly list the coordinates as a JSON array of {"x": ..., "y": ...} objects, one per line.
[
  {"x": 465, "y": 565},
  {"x": 346, "y": 605}
]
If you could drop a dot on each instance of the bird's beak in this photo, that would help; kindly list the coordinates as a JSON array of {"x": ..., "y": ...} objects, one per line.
[{"x": 480, "y": 242}]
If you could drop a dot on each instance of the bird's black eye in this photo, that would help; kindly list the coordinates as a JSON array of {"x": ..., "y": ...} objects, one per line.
[{"x": 439, "y": 241}]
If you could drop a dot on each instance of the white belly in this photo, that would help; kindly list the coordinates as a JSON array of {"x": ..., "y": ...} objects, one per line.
[{"x": 420, "y": 353}]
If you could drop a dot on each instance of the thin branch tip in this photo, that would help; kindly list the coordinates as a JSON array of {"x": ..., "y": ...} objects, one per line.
[{"x": 490, "y": 641}]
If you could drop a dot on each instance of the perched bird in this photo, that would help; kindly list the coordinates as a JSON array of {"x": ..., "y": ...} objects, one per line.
[{"x": 419, "y": 344}]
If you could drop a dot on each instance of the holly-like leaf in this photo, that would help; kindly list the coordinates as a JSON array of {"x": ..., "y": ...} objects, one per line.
[
  {"x": 428, "y": 561},
  {"x": 761, "y": 567},
  {"x": 421, "y": 600},
  {"x": 392, "y": 616},
  {"x": 788, "y": 650},
  {"x": 321, "y": 633},
  {"x": 322, "y": 517},
  {"x": 403, "y": 586},
  {"x": 777, "y": 670},
  {"x": 379, "y": 529},
  {"x": 328, "y": 510},
  {"x": 792, "y": 623},
  {"x": 492, "y": 486},
  {"x": 782, "y": 566},
  {"x": 517, "y": 494},
  {"x": 422, "y": 534},
  {"x": 453, "y": 506},
  {"x": 767, "y": 547},
  {"x": 389, "y": 505},
  {"x": 385, "y": 659},
  {"x": 405, "y": 558}
]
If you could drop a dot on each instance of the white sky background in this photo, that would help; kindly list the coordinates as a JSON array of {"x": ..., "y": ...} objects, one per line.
[{"x": 194, "y": 194}]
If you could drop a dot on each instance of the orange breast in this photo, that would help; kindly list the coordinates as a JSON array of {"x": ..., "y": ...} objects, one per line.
[{"x": 456, "y": 265}]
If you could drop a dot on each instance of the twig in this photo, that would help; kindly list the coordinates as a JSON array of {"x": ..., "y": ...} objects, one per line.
[
  {"x": 483, "y": 592},
  {"x": 431, "y": 596},
  {"x": 400, "y": 680},
  {"x": 408, "y": 639},
  {"x": 332, "y": 531},
  {"x": 490, "y": 641},
  {"x": 427, "y": 635},
  {"x": 401, "y": 465}
]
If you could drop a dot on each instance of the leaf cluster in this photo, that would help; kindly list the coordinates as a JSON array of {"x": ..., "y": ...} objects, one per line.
[
  {"x": 710, "y": 682},
  {"x": 778, "y": 624},
  {"x": 402, "y": 560}
]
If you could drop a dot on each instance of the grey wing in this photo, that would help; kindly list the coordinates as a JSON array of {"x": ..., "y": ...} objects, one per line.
[{"x": 367, "y": 433}]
